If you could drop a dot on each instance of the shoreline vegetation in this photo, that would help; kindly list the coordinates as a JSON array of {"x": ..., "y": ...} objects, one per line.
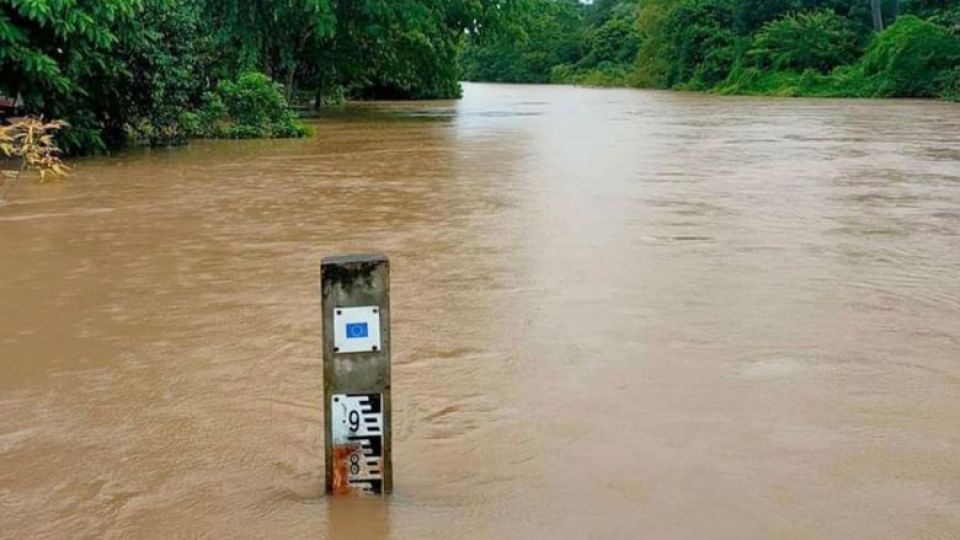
[
  {"x": 789, "y": 48},
  {"x": 161, "y": 72}
]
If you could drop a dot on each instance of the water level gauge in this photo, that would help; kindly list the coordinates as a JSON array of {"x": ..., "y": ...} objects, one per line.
[{"x": 356, "y": 425}]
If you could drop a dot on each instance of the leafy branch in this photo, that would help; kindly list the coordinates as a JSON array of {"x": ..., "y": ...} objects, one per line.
[{"x": 29, "y": 142}]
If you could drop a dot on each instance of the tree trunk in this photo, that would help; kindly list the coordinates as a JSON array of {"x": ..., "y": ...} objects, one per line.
[
  {"x": 318, "y": 97},
  {"x": 288, "y": 83},
  {"x": 896, "y": 11},
  {"x": 875, "y": 7},
  {"x": 268, "y": 66}
]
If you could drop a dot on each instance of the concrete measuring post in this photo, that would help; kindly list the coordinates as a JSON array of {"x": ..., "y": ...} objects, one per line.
[{"x": 356, "y": 373}]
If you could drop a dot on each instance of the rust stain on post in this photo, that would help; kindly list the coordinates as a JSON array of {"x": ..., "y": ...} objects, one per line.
[{"x": 341, "y": 455}]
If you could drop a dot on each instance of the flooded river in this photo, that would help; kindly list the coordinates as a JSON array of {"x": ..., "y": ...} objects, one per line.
[{"x": 616, "y": 314}]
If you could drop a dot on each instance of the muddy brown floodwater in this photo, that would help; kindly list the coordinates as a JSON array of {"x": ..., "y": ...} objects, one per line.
[{"x": 616, "y": 314}]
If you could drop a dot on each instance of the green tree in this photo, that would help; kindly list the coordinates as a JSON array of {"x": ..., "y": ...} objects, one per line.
[
  {"x": 615, "y": 41},
  {"x": 943, "y": 12},
  {"x": 911, "y": 58},
  {"x": 550, "y": 34},
  {"x": 821, "y": 40},
  {"x": 58, "y": 54},
  {"x": 401, "y": 48},
  {"x": 166, "y": 56},
  {"x": 700, "y": 45},
  {"x": 272, "y": 36}
]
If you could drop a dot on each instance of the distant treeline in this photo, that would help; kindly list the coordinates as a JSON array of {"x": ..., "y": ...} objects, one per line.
[
  {"x": 161, "y": 71},
  {"x": 845, "y": 48}
]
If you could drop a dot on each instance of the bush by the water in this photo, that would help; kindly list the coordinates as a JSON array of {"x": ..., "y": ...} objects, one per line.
[
  {"x": 907, "y": 59},
  {"x": 253, "y": 106},
  {"x": 950, "y": 84},
  {"x": 603, "y": 74},
  {"x": 821, "y": 40}
]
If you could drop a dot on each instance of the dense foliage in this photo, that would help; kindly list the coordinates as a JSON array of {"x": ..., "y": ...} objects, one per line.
[
  {"x": 158, "y": 71},
  {"x": 908, "y": 58},
  {"x": 818, "y": 40},
  {"x": 251, "y": 107},
  {"x": 855, "y": 48},
  {"x": 546, "y": 38},
  {"x": 59, "y": 55}
]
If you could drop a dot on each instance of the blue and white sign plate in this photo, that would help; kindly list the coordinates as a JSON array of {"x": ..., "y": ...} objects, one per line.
[{"x": 356, "y": 329}]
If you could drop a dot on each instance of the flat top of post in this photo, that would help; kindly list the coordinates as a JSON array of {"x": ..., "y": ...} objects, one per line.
[{"x": 337, "y": 260}]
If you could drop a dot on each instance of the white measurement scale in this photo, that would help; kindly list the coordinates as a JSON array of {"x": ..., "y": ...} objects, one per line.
[{"x": 357, "y": 426}]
